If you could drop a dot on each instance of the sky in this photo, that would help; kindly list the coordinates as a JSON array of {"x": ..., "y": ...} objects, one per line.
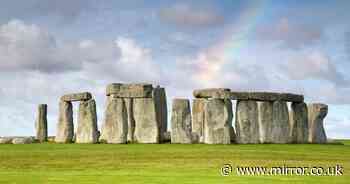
[{"x": 50, "y": 48}]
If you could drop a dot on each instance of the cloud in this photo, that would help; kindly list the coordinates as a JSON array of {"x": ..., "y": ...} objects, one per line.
[
  {"x": 314, "y": 65},
  {"x": 290, "y": 34},
  {"x": 186, "y": 15}
]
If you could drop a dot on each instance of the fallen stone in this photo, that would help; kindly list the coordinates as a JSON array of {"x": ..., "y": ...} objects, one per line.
[
  {"x": 115, "y": 128},
  {"x": 87, "y": 122},
  {"x": 146, "y": 124},
  {"x": 129, "y": 105},
  {"x": 22, "y": 140},
  {"x": 181, "y": 122},
  {"x": 130, "y": 90},
  {"x": 299, "y": 123},
  {"x": 6, "y": 140},
  {"x": 41, "y": 123},
  {"x": 76, "y": 97},
  {"x": 198, "y": 106},
  {"x": 65, "y": 127},
  {"x": 265, "y": 121},
  {"x": 218, "y": 121},
  {"x": 247, "y": 125},
  {"x": 222, "y": 93},
  {"x": 280, "y": 124},
  {"x": 162, "y": 110},
  {"x": 316, "y": 113}
]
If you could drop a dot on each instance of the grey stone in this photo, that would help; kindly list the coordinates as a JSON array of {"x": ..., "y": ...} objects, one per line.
[
  {"x": 41, "y": 123},
  {"x": 299, "y": 123},
  {"x": 65, "y": 127},
  {"x": 289, "y": 97},
  {"x": 280, "y": 124},
  {"x": 223, "y": 93},
  {"x": 87, "y": 122},
  {"x": 146, "y": 124},
  {"x": 265, "y": 121},
  {"x": 115, "y": 128},
  {"x": 76, "y": 97},
  {"x": 159, "y": 95},
  {"x": 166, "y": 136},
  {"x": 218, "y": 121},
  {"x": 6, "y": 140},
  {"x": 316, "y": 113},
  {"x": 181, "y": 127},
  {"x": 130, "y": 90},
  {"x": 198, "y": 106},
  {"x": 130, "y": 118},
  {"x": 266, "y": 96},
  {"x": 22, "y": 140},
  {"x": 247, "y": 125}
]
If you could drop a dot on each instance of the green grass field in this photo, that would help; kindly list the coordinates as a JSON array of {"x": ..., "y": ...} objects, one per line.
[{"x": 164, "y": 163}]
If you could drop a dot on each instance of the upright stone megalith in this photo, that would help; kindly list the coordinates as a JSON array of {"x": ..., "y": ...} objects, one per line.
[
  {"x": 280, "y": 123},
  {"x": 317, "y": 112},
  {"x": 41, "y": 123},
  {"x": 159, "y": 96},
  {"x": 129, "y": 105},
  {"x": 265, "y": 121},
  {"x": 87, "y": 122},
  {"x": 146, "y": 124},
  {"x": 65, "y": 127},
  {"x": 198, "y": 106},
  {"x": 247, "y": 125},
  {"x": 299, "y": 123},
  {"x": 218, "y": 121},
  {"x": 181, "y": 122},
  {"x": 115, "y": 128}
]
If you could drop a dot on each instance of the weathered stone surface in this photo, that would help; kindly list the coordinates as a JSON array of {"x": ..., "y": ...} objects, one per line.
[
  {"x": 265, "y": 121},
  {"x": 166, "y": 136},
  {"x": 65, "y": 127},
  {"x": 87, "y": 122},
  {"x": 6, "y": 140},
  {"x": 218, "y": 121},
  {"x": 76, "y": 97},
  {"x": 146, "y": 125},
  {"x": 115, "y": 128},
  {"x": 41, "y": 123},
  {"x": 181, "y": 127},
  {"x": 130, "y": 90},
  {"x": 159, "y": 96},
  {"x": 316, "y": 113},
  {"x": 266, "y": 96},
  {"x": 198, "y": 106},
  {"x": 299, "y": 123},
  {"x": 22, "y": 140},
  {"x": 130, "y": 118},
  {"x": 247, "y": 125},
  {"x": 280, "y": 123},
  {"x": 222, "y": 93}
]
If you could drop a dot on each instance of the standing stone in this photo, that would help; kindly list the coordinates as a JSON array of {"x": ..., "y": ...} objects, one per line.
[
  {"x": 65, "y": 127},
  {"x": 115, "y": 128},
  {"x": 87, "y": 122},
  {"x": 130, "y": 118},
  {"x": 181, "y": 122},
  {"x": 247, "y": 125},
  {"x": 299, "y": 123},
  {"x": 41, "y": 123},
  {"x": 198, "y": 117},
  {"x": 317, "y": 112},
  {"x": 280, "y": 123},
  {"x": 162, "y": 110},
  {"x": 265, "y": 121},
  {"x": 146, "y": 124},
  {"x": 218, "y": 121}
]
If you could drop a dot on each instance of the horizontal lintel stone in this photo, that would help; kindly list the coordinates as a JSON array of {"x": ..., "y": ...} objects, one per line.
[
  {"x": 222, "y": 93},
  {"x": 130, "y": 90},
  {"x": 84, "y": 96}
]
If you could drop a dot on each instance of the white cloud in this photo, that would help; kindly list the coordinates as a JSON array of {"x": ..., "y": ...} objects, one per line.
[{"x": 186, "y": 15}]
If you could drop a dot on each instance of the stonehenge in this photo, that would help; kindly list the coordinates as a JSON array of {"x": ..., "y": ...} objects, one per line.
[
  {"x": 41, "y": 123},
  {"x": 138, "y": 113},
  {"x": 316, "y": 113}
]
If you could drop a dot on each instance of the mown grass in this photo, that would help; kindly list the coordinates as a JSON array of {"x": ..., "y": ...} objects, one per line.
[{"x": 164, "y": 163}]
